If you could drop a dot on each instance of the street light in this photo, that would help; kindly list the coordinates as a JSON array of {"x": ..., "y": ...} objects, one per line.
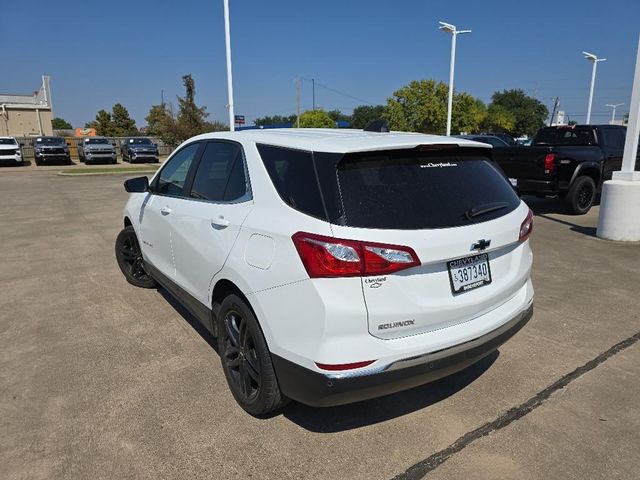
[
  {"x": 613, "y": 113},
  {"x": 227, "y": 41},
  {"x": 447, "y": 27},
  {"x": 594, "y": 59}
]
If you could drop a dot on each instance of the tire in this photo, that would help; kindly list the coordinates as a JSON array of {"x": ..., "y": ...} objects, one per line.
[
  {"x": 581, "y": 195},
  {"x": 246, "y": 360},
  {"x": 129, "y": 257}
]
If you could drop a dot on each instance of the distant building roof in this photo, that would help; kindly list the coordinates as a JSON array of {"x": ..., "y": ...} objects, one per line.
[{"x": 40, "y": 98}]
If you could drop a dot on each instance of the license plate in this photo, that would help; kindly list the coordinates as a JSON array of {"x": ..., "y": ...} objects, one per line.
[
  {"x": 513, "y": 182},
  {"x": 468, "y": 273}
]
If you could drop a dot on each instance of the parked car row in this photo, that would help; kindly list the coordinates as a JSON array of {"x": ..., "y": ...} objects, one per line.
[{"x": 50, "y": 150}]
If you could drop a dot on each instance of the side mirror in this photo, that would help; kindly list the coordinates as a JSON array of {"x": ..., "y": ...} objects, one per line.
[
  {"x": 21, "y": 144},
  {"x": 137, "y": 185},
  {"x": 113, "y": 143}
]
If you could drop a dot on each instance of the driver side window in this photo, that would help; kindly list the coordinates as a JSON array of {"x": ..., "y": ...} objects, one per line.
[{"x": 174, "y": 174}]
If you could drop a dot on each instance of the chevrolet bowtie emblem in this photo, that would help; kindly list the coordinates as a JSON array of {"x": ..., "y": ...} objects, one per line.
[{"x": 481, "y": 244}]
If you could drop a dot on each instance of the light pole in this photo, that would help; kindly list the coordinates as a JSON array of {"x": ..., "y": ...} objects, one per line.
[
  {"x": 613, "y": 113},
  {"x": 619, "y": 219},
  {"x": 227, "y": 41},
  {"x": 593, "y": 59},
  {"x": 447, "y": 27}
]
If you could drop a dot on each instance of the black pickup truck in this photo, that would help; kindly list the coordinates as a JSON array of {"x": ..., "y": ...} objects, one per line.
[{"x": 566, "y": 161}]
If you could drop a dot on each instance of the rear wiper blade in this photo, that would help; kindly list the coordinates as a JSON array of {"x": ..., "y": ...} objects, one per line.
[{"x": 485, "y": 208}]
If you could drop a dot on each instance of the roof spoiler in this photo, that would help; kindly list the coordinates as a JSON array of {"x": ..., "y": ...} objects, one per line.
[{"x": 380, "y": 126}]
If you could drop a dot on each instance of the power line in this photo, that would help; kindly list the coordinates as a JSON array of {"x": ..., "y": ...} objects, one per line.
[{"x": 344, "y": 94}]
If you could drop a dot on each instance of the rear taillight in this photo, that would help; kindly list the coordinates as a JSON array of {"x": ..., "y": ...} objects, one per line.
[
  {"x": 333, "y": 257},
  {"x": 550, "y": 163},
  {"x": 527, "y": 227}
]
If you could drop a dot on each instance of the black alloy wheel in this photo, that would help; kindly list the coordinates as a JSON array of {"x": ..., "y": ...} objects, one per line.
[
  {"x": 245, "y": 357},
  {"x": 581, "y": 195},
  {"x": 130, "y": 261},
  {"x": 240, "y": 356},
  {"x": 585, "y": 195}
]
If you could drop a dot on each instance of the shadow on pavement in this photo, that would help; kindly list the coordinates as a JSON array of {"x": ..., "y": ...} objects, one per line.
[
  {"x": 190, "y": 319},
  {"x": 356, "y": 415},
  {"x": 591, "y": 231}
]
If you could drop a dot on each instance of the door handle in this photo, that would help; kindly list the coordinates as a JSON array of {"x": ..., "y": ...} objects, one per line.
[
  {"x": 220, "y": 222},
  {"x": 165, "y": 211}
]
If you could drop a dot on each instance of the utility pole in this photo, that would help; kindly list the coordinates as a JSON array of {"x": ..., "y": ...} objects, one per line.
[
  {"x": 555, "y": 107},
  {"x": 227, "y": 41},
  {"x": 162, "y": 98},
  {"x": 297, "y": 102},
  {"x": 313, "y": 90},
  {"x": 447, "y": 27},
  {"x": 613, "y": 113},
  {"x": 594, "y": 59}
]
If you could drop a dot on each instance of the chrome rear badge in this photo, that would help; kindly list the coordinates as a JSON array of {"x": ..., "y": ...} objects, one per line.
[{"x": 404, "y": 323}]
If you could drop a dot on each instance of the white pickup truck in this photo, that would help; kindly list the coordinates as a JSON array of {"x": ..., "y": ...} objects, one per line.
[{"x": 10, "y": 151}]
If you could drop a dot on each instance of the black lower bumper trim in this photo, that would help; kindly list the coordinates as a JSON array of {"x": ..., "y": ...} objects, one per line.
[{"x": 320, "y": 390}]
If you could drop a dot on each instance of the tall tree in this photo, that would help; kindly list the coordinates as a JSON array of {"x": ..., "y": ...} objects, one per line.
[
  {"x": 191, "y": 119},
  {"x": 155, "y": 119},
  {"x": 467, "y": 113},
  {"x": 365, "y": 114},
  {"x": 499, "y": 119},
  {"x": 316, "y": 119},
  {"x": 419, "y": 107},
  {"x": 529, "y": 113},
  {"x": 102, "y": 124},
  {"x": 60, "y": 124},
  {"x": 123, "y": 124}
]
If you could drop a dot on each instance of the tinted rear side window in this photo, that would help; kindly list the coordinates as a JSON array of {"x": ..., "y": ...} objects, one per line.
[{"x": 293, "y": 175}]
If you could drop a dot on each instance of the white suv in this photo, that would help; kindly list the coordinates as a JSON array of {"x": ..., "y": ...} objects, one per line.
[{"x": 334, "y": 265}]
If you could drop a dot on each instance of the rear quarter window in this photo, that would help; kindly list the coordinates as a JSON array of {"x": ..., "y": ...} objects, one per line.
[{"x": 292, "y": 174}]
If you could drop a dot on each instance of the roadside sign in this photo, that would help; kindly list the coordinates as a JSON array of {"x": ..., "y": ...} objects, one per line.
[{"x": 239, "y": 119}]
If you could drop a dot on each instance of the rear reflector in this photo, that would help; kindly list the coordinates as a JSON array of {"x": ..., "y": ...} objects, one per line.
[
  {"x": 527, "y": 227},
  {"x": 333, "y": 367},
  {"x": 333, "y": 257}
]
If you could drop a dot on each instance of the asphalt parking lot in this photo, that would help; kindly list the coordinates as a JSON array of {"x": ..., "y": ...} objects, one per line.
[{"x": 99, "y": 379}]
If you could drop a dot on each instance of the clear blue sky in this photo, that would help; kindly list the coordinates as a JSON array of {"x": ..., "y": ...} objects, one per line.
[{"x": 101, "y": 53}]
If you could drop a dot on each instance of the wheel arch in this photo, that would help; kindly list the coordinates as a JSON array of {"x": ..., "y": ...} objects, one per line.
[
  {"x": 587, "y": 170},
  {"x": 127, "y": 222},
  {"x": 225, "y": 287}
]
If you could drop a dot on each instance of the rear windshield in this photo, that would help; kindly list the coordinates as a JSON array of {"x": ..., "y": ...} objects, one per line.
[
  {"x": 398, "y": 189},
  {"x": 576, "y": 136}
]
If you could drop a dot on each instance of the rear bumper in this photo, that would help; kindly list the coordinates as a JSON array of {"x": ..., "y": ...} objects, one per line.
[{"x": 324, "y": 390}]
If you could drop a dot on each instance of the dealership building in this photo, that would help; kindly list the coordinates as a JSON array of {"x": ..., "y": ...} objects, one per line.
[{"x": 27, "y": 115}]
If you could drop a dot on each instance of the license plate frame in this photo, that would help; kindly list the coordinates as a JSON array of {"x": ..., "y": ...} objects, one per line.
[{"x": 470, "y": 261}]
